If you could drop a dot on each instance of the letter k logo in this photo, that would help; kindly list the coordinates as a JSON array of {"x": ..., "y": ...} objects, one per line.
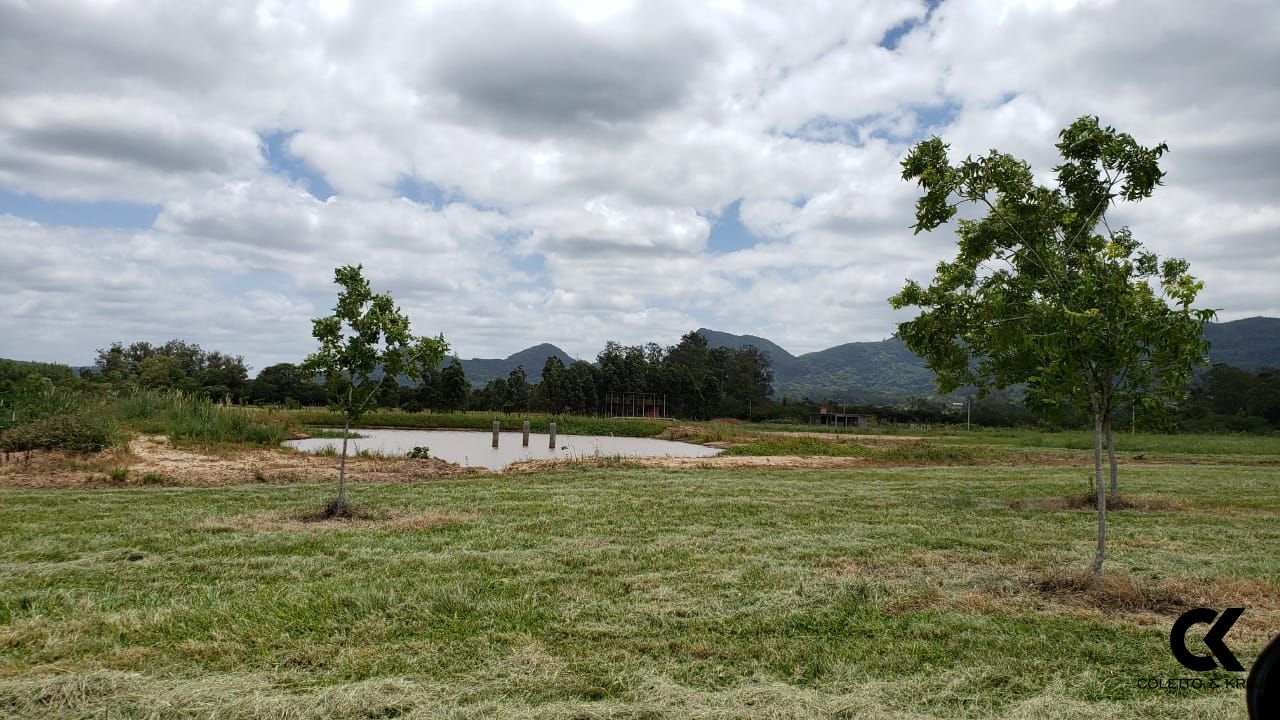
[{"x": 1212, "y": 639}]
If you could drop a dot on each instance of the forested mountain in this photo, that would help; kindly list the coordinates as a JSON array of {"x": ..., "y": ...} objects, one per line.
[
  {"x": 854, "y": 372},
  {"x": 886, "y": 370},
  {"x": 1249, "y": 344},
  {"x": 481, "y": 370},
  {"x": 883, "y": 370}
]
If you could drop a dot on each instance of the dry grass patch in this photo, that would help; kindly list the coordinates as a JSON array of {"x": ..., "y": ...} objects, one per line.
[
  {"x": 1259, "y": 597},
  {"x": 398, "y": 519},
  {"x": 1088, "y": 501},
  {"x": 1110, "y": 591}
]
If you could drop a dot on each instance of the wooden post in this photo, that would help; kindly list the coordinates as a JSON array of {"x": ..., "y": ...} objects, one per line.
[
  {"x": 496, "y": 427},
  {"x": 551, "y": 428},
  {"x": 526, "y": 433}
]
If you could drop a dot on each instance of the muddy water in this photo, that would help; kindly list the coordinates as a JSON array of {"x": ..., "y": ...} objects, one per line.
[{"x": 472, "y": 449}]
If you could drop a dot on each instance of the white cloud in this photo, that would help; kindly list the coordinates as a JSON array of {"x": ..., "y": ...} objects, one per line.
[{"x": 583, "y": 152}]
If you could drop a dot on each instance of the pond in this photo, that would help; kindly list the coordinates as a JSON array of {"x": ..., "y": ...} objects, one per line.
[{"x": 473, "y": 449}]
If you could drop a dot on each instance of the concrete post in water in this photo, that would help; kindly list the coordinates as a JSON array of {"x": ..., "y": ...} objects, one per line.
[
  {"x": 496, "y": 427},
  {"x": 551, "y": 428},
  {"x": 526, "y": 433}
]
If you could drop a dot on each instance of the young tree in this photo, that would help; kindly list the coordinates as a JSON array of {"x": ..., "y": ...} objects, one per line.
[
  {"x": 1044, "y": 292},
  {"x": 366, "y": 333}
]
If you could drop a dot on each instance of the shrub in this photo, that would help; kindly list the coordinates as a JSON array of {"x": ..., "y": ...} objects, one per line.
[
  {"x": 420, "y": 452},
  {"x": 73, "y": 433}
]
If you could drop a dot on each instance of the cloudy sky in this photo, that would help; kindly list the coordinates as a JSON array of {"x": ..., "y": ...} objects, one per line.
[{"x": 515, "y": 173}]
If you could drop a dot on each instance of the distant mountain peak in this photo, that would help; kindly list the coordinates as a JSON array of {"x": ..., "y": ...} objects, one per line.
[
  {"x": 719, "y": 338},
  {"x": 543, "y": 349},
  {"x": 481, "y": 370}
]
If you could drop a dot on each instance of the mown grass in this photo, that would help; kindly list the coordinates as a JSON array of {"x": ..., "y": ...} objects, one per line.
[
  {"x": 913, "y": 451},
  {"x": 880, "y": 593},
  {"x": 1186, "y": 443},
  {"x": 1173, "y": 443},
  {"x": 565, "y": 424}
]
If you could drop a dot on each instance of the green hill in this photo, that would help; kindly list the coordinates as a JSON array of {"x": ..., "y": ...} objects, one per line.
[
  {"x": 887, "y": 370},
  {"x": 1249, "y": 344},
  {"x": 481, "y": 370}
]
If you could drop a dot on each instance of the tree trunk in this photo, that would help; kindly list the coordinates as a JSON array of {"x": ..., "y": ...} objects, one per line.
[
  {"x": 1099, "y": 490},
  {"x": 1111, "y": 457},
  {"x": 342, "y": 466}
]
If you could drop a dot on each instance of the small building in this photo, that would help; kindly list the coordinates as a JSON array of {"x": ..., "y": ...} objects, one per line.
[{"x": 825, "y": 416}]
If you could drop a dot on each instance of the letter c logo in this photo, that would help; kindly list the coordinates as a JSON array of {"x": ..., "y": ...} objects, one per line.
[{"x": 1212, "y": 639}]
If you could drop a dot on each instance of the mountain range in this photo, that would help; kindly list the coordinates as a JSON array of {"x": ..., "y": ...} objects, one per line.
[{"x": 886, "y": 370}]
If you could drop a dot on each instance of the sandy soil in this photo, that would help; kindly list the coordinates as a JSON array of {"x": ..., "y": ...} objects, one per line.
[{"x": 154, "y": 460}]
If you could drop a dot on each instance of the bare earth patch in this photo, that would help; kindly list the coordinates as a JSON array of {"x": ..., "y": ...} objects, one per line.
[
  {"x": 153, "y": 460},
  {"x": 403, "y": 519}
]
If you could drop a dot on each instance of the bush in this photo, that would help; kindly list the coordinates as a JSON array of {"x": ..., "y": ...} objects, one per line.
[{"x": 73, "y": 433}]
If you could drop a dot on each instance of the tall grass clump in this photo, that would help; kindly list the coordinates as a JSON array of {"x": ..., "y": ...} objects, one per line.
[
  {"x": 86, "y": 421},
  {"x": 199, "y": 420}
]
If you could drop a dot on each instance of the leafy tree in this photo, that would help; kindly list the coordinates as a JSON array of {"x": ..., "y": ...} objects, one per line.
[
  {"x": 550, "y": 392},
  {"x": 175, "y": 365},
  {"x": 160, "y": 371},
  {"x": 224, "y": 376},
  {"x": 496, "y": 396},
  {"x": 1228, "y": 398},
  {"x": 519, "y": 392},
  {"x": 366, "y": 333},
  {"x": 580, "y": 391},
  {"x": 1044, "y": 292},
  {"x": 454, "y": 388},
  {"x": 276, "y": 383},
  {"x": 748, "y": 378}
]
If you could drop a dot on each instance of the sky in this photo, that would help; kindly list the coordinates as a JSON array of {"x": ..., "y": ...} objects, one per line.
[{"x": 517, "y": 173}]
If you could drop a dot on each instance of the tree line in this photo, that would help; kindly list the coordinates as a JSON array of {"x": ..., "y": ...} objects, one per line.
[
  {"x": 697, "y": 380},
  {"x": 1220, "y": 399}
]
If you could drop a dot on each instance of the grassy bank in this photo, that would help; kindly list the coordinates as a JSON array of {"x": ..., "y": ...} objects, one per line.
[
  {"x": 921, "y": 593},
  {"x": 81, "y": 422}
]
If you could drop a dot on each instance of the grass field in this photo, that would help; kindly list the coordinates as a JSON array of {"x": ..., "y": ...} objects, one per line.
[
  {"x": 877, "y": 593},
  {"x": 1188, "y": 443}
]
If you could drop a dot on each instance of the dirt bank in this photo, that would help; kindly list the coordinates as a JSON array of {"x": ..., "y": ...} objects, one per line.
[{"x": 153, "y": 460}]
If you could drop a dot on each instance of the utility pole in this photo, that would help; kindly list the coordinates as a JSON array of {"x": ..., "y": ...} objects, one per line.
[{"x": 968, "y": 413}]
